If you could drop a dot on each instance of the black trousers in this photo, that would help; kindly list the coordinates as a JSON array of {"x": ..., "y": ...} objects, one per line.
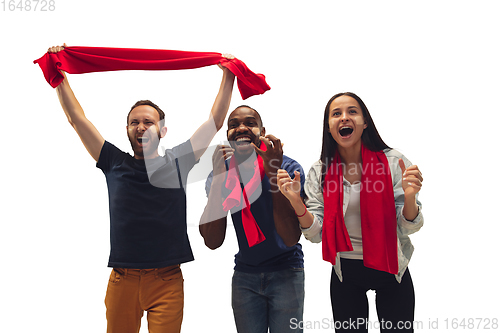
[{"x": 395, "y": 302}]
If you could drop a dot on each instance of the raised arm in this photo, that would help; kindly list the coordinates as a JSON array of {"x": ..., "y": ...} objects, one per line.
[
  {"x": 90, "y": 136},
  {"x": 213, "y": 222},
  {"x": 206, "y": 132}
]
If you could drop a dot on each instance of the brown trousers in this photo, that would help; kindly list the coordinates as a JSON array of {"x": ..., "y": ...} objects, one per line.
[{"x": 159, "y": 291}]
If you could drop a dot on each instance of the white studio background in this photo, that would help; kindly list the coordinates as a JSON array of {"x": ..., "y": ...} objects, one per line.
[{"x": 428, "y": 72}]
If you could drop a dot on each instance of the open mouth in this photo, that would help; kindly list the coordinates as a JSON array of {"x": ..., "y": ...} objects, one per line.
[
  {"x": 243, "y": 141},
  {"x": 143, "y": 140},
  {"x": 345, "y": 131}
]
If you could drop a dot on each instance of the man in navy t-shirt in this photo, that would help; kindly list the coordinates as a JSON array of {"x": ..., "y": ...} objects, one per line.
[
  {"x": 268, "y": 281},
  {"x": 147, "y": 206}
]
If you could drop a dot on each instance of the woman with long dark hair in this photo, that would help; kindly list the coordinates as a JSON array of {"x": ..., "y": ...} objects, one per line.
[{"x": 361, "y": 203}]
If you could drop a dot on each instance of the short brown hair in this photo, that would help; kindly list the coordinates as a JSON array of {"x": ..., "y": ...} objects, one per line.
[{"x": 153, "y": 105}]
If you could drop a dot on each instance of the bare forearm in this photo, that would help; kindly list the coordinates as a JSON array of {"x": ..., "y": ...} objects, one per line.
[
  {"x": 285, "y": 219},
  {"x": 69, "y": 103},
  {"x": 204, "y": 135},
  {"x": 90, "y": 136},
  {"x": 213, "y": 222},
  {"x": 410, "y": 208},
  {"x": 305, "y": 218},
  {"x": 223, "y": 99}
]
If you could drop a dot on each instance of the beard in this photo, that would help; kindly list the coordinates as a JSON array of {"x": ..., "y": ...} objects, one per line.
[{"x": 151, "y": 146}]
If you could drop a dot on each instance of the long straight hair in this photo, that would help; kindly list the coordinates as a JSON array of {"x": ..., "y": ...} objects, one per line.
[{"x": 370, "y": 137}]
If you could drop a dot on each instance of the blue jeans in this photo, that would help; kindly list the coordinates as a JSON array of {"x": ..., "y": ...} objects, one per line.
[{"x": 273, "y": 300}]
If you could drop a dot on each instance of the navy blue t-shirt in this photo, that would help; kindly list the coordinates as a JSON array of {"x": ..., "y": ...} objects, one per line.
[
  {"x": 148, "y": 222},
  {"x": 272, "y": 254}
]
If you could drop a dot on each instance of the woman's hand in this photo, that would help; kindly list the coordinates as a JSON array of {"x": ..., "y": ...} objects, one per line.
[
  {"x": 289, "y": 187},
  {"x": 412, "y": 179}
]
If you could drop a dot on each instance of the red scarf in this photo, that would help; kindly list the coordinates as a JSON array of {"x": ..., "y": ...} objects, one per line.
[
  {"x": 378, "y": 213},
  {"x": 78, "y": 60},
  {"x": 252, "y": 231}
]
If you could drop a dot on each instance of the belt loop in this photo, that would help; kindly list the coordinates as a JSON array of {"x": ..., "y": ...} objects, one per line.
[
  {"x": 156, "y": 273},
  {"x": 126, "y": 272}
]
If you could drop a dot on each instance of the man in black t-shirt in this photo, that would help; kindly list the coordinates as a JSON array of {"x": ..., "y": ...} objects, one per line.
[{"x": 147, "y": 208}]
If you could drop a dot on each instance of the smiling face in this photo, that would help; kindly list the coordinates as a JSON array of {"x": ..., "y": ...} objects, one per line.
[
  {"x": 244, "y": 126},
  {"x": 144, "y": 132},
  {"x": 346, "y": 122}
]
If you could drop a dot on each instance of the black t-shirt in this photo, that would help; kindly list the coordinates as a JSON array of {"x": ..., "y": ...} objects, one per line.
[{"x": 147, "y": 207}]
